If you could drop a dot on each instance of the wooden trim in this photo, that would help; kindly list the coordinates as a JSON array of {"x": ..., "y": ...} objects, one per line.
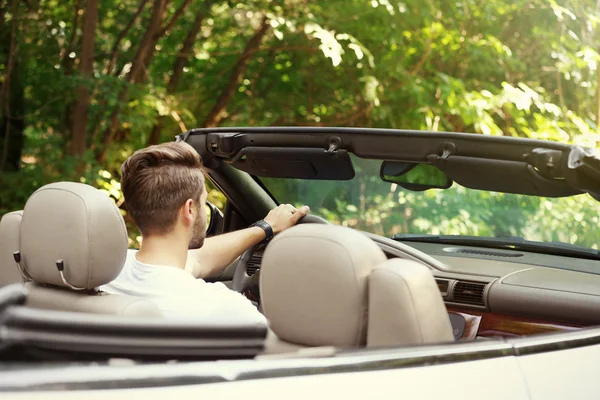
[
  {"x": 487, "y": 324},
  {"x": 511, "y": 326}
]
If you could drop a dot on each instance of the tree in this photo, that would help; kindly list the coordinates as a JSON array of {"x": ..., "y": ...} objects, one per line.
[
  {"x": 86, "y": 71},
  {"x": 147, "y": 69},
  {"x": 180, "y": 62}
]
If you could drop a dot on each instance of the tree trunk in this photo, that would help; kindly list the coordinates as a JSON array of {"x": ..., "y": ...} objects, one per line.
[
  {"x": 13, "y": 125},
  {"x": 11, "y": 91},
  {"x": 66, "y": 60},
  {"x": 140, "y": 63},
  {"x": 174, "y": 18},
  {"x": 160, "y": 33},
  {"x": 181, "y": 60},
  {"x": 219, "y": 109},
  {"x": 148, "y": 42},
  {"x": 86, "y": 69},
  {"x": 137, "y": 72},
  {"x": 68, "y": 64},
  {"x": 115, "y": 49},
  {"x": 97, "y": 125}
]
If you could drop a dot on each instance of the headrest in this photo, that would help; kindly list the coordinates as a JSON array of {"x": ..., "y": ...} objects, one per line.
[
  {"x": 75, "y": 223},
  {"x": 405, "y": 306},
  {"x": 314, "y": 282},
  {"x": 10, "y": 224}
]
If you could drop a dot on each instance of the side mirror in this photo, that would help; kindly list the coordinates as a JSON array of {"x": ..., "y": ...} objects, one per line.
[
  {"x": 416, "y": 177},
  {"x": 214, "y": 220}
]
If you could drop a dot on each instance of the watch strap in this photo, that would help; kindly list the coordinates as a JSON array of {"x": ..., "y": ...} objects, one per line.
[{"x": 265, "y": 227}]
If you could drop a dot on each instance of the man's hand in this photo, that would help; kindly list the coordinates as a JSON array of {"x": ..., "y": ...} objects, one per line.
[{"x": 285, "y": 216}]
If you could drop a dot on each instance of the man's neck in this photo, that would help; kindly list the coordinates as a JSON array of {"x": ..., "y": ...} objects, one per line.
[{"x": 163, "y": 250}]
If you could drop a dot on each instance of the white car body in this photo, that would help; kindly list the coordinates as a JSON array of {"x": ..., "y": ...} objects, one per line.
[{"x": 561, "y": 374}]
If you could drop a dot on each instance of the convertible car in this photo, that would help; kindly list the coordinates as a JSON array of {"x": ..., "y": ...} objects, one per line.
[{"x": 432, "y": 265}]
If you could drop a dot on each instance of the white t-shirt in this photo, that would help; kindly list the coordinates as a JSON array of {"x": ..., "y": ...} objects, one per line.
[{"x": 178, "y": 294}]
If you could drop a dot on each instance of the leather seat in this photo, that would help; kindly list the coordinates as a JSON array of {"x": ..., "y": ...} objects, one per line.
[
  {"x": 324, "y": 285},
  {"x": 9, "y": 243},
  {"x": 79, "y": 228}
]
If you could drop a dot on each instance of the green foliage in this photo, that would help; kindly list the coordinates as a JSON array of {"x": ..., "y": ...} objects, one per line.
[
  {"x": 499, "y": 67},
  {"x": 367, "y": 203}
]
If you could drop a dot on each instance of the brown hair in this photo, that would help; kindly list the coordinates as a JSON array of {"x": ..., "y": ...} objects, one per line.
[{"x": 157, "y": 180}]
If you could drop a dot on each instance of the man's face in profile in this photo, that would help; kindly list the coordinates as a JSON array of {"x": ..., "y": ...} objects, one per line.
[{"x": 199, "y": 230}]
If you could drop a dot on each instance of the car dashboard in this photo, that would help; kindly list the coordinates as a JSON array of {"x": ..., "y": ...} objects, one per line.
[{"x": 490, "y": 292}]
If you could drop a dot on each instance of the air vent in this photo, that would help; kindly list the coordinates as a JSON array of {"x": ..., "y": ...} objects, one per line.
[
  {"x": 486, "y": 253},
  {"x": 468, "y": 293},
  {"x": 254, "y": 263},
  {"x": 443, "y": 286}
]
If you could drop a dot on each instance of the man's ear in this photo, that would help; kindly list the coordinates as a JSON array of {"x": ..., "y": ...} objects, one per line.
[{"x": 187, "y": 211}]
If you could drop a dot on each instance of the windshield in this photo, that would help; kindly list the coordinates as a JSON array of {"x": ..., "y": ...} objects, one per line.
[{"x": 367, "y": 203}]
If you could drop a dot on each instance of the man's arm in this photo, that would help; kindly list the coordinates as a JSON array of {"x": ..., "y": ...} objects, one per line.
[{"x": 220, "y": 251}]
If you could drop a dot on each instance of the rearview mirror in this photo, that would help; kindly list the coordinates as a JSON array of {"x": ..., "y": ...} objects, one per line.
[{"x": 412, "y": 176}]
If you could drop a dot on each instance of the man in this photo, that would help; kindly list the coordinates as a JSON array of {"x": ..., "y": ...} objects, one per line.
[{"x": 164, "y": 193}]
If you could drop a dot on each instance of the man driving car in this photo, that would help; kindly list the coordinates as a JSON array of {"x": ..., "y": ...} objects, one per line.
[{"x": 164, "y": 192}]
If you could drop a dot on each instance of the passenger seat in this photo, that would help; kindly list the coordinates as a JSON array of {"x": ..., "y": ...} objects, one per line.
[{"x": 326, "y": 285}]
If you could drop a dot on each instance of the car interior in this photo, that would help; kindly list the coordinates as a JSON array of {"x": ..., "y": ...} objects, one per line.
[
  {"x": 319, "y": 285},
  {"x": 488, "y": 292}
]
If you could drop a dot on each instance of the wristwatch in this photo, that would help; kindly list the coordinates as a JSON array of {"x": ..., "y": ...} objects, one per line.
[{"x": 265, "y": 227}]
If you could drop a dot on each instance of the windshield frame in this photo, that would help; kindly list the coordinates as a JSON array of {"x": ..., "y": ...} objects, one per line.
[{"x": 552, "y": 168}]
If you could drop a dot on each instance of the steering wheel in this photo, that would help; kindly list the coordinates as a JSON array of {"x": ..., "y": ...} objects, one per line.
[{"x": 241, "y": 280}]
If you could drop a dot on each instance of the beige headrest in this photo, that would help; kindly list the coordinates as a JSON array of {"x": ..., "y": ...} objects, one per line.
[
  {"x": 10, "y": 225},
  {"x": 314, "y": 282},
  {"x": 76, "y": 223},
  {"x": 405, "y": 306}
]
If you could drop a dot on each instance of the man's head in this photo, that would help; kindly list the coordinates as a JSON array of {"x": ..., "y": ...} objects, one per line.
[{"x": 164, "y": 190}]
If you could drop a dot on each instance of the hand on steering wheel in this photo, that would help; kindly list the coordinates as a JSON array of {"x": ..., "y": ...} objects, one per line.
[{"x": 285, "y": 216}]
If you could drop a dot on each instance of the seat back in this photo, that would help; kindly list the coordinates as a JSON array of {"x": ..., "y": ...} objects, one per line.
[
  {"x": 75, "y": 227},
  {"x": 10, "y": 226},
  {"x": 324, "y": 285}
]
